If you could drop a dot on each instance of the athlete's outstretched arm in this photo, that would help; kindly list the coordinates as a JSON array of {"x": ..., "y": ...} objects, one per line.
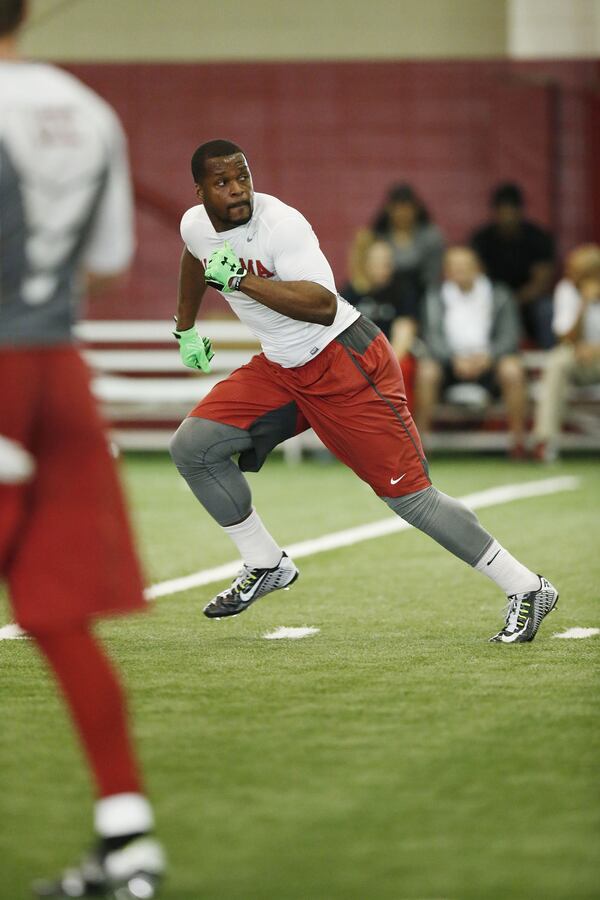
[
  {"x": 302, "y": 300},
  {"x": 191, "y": 290}
]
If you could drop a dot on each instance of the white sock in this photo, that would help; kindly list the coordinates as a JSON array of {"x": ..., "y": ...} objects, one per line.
[
  {"x": 257, "y": 547},
  {"x": 508, "y": 573},
  {"x": 122, "y": 814}
]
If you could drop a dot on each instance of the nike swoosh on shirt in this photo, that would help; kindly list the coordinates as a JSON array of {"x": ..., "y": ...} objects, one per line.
[{"x": 396, "y": 480}]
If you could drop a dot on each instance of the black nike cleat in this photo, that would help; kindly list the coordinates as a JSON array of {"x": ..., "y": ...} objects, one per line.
[
  {"x": 133, "y": 872},
  {"x": 249, "y": 585},
  {"x": 525, "y": 613}
]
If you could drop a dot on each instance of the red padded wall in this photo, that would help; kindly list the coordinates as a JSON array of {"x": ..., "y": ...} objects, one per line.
[{"x": 329, "y": 138}]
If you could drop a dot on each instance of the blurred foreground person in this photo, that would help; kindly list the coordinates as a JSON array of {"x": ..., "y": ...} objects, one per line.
[
  {"x": 66, "y": 550},
  {"x": 391, "y": 300},
  {"x": 576, "y": 359},
  {"x": 471, "y": 331},
  {"x": 323, "y": 365},
  {"x": 519, "y": 254}
]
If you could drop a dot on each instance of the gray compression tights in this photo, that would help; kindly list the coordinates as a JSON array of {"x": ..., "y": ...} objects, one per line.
[
  {"x": 446, "y": 520},
  {"x": 202, "y": 452}
]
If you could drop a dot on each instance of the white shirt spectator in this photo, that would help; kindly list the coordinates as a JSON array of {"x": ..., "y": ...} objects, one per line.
[
  {"x": 568, "y": 304},
  {"x": 468, "y": 317}
]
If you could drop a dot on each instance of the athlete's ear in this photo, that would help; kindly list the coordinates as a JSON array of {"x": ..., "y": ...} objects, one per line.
[{"x": 199, "y": 192}]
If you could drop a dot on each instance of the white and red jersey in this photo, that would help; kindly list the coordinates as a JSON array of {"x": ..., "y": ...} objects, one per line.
[
  {"x": 277, "y": 243},
  {"x": 65, "y": 199}
]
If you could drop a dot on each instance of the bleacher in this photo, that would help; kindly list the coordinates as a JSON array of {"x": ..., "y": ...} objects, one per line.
[
  {"x": 145, "y": 391},
  {"x": 143, "y": 387}
]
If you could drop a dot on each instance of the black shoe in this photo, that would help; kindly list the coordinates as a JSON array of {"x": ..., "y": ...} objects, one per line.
[
  {"x": 525, "y": 613},
  {"x": 249, "y": 585},
  {"x": 133, "y": 872}
]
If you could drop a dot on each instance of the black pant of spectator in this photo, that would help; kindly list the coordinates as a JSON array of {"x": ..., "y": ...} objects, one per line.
[{"x": 537, "y": 322}]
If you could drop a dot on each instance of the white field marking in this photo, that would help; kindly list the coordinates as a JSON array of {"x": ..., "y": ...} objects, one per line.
[
  {"x": 390, "y": 525},
  {"x": 17, "y": 465},
  {"x": 13, "y": 632},
  {"x": 293, "y": 634},
  {"x": 578, "y": 633}
]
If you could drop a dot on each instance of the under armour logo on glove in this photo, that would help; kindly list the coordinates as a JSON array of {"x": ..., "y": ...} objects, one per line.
[{"x": 224, "y": 271}]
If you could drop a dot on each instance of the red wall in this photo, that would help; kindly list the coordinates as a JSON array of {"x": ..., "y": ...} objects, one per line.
[{"x": 329, "y": 138}]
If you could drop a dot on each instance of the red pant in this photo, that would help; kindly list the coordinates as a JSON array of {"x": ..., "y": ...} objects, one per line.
[
  {"x": 408, "y": 364},
  {"x": 65, "y": 545},
  {"x": 352, "y": 394}
]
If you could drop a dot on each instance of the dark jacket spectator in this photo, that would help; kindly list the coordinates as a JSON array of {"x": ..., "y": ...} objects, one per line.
[
  {"x": 520, "y": 254},
  {"x": 390, "y": 299},
  {"x": 417, "y": 244},
  {"x": 384, "y": 295},
  {"x": 504, "y": 330}
]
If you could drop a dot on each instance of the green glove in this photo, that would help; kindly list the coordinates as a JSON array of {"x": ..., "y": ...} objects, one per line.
[
  {"x": 224, "y": 270},
  {"x": 196, "y": 352}
]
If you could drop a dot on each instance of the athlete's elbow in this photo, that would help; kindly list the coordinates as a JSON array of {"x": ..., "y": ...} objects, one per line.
[
  {"x": 328, "y": 309},
  {"x": 324, "y": 319}
]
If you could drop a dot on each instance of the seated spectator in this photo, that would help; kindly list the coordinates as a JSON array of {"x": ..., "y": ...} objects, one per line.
[
  {"x": 576, "y": 359},
  {"x": 471, "y": 332},
  {"x": 417, "y": 244},
  {"x": 391, "y": 300},
  {"x": 520, "y": 254}
]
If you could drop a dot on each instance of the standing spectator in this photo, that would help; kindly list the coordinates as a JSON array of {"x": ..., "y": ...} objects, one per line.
[
  {"x": 66, "y": 549},
  {"x": 576, "y": 359},
  {"x": 417, "y": 244},
  {"x": 520, "y": 254},
  {"x": 471, "y": 330},
  {"x": 391, "y": 300}
]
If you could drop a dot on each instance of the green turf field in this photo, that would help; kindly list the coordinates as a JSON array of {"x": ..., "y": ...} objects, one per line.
[{"x": 396, "y": 755}]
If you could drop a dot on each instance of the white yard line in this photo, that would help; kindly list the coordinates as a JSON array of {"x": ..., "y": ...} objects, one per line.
[
  {"x": 390, "y": 525},
  {"x": 12, "y": 632},
  {"x": 578, "y": 633},
  {"x": 292, "y": 634}
]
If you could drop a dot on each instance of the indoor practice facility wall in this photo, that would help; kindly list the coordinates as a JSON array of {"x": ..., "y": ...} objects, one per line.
[{"x": 330, "y": 137}]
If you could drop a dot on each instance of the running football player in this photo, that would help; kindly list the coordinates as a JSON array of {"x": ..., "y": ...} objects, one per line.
[
  {"x": 66, "y": 549},
  {"x": 323, "y": 366}
]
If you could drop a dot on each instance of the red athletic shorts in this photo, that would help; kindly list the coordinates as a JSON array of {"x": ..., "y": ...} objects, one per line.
[
  {"x": 351, "y": 394},
  {"x": 66, "y": 549}
]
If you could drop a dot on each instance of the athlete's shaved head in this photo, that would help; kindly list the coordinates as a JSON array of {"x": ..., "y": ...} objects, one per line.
[
  {"x": 12, "y": 13},
  {"x": 210, "y": 150}
]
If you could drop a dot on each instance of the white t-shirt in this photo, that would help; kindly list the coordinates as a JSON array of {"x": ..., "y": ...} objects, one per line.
[
  {"x": 277, "y": 243},
  {"x": 568, "y": 303},
  {"x": 66, "y": 192},
  {"x": 468, "y": 316}
]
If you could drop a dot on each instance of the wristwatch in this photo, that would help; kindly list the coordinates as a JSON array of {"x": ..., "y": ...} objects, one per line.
[{"x": 234, "y": 283}]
